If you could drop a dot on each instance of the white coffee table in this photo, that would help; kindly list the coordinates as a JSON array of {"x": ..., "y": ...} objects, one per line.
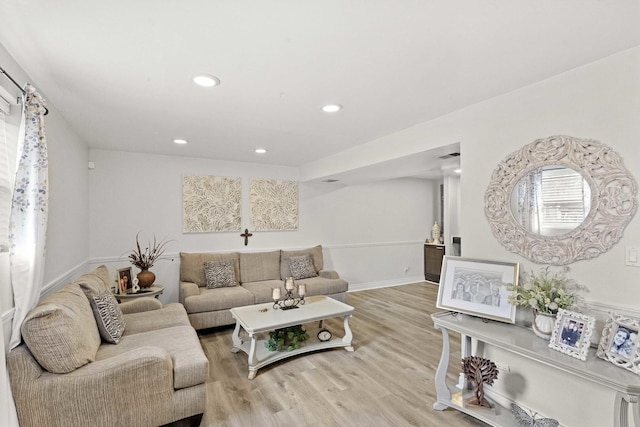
[{"x": 255, "y": 319}]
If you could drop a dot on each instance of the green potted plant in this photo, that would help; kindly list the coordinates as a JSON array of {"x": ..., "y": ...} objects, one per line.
[
  {"x": 545, "y": 294},
  {"x": 289, "y": 338}
]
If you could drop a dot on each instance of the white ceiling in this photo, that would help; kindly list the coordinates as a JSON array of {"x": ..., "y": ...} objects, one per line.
[{"x": 120, "y": 71}]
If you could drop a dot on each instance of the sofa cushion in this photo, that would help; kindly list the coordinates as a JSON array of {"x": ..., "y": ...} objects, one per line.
[
  {"x": 192, "y": 265},
  {"x": 109, "y": 317},
  {"x": 218, "y": 299},
  {"x": 323, "y": 286},
  {"x": 316, "y": 255},
  {"x": 172, "y": 314},
  {"x": 259, "y": 266},
  {"x": 190, "y": 367},
  {"x": 61, "y": 331},
  {"x": 263, "y": 291},
  {"x": 219, "y": 274},
  {"x": 302, "y": 267},
  {"x": 95, "y": 282}
]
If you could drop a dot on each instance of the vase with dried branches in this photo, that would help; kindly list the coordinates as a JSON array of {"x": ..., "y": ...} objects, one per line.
[{"x": 145, "y": 259}]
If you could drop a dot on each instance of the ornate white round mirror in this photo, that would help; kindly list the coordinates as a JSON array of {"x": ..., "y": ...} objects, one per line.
[{"x": 560, "y": 199}]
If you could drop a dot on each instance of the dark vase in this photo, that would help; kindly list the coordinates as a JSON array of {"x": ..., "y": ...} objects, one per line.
[{"x": 146, "y": 278}]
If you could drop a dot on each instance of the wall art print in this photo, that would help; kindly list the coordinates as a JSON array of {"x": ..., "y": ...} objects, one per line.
[
  {"x": 211, "y": 204},
  {"x": 274, "y": 205}
]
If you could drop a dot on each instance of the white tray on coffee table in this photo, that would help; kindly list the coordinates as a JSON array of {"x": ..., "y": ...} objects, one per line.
[{"x": 255, "y": 319}]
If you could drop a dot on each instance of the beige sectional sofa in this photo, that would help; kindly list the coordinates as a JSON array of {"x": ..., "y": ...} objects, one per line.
[
  {"x": 65, "y": 374},
  {"x": 255, "y": 275}
]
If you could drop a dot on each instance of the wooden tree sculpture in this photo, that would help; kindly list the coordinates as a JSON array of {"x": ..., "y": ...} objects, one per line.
[{"x": 479, "y": 371}]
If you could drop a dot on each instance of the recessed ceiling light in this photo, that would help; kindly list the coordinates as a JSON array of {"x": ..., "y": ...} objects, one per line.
[
  {"x": 332, "y": 108},
  {"x": 261, "y": 150},
  {"x": 180, "y": 141},
  {"x": 206, "y": 80}
]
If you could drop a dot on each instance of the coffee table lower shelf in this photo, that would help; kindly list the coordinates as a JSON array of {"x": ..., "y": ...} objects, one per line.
[{"x": 263, "y": 357}]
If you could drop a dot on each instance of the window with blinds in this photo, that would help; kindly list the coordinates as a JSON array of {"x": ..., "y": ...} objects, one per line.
[{"x": 566, "y": 198}]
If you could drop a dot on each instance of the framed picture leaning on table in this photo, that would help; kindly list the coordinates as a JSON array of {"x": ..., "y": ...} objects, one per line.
[
  {"x": 125, "y": 282},
  {"x": 619, "y": 342},
  {"x": 572, "y": 333},
  {"x": 477, "y": 287}
]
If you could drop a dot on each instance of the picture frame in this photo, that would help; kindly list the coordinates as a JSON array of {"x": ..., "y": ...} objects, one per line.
[
  {"x": 572, "y": 333},
  {"x": 124, "y": 280},
  {"x": 619, "y": 342},
  {"x": 478, "y": 287}
]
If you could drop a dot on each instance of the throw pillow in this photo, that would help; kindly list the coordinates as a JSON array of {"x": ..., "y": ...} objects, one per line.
[
  {"x": 302, "y": 267},
  {"x": 109, "y": 317},
  {"x": 219, "y": 274}
]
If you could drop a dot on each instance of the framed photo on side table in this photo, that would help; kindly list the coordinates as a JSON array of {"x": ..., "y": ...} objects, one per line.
[
  {"x": 477, "y": 287},
  {"x": 619, "y": 342},
  {"x": 125, "y": 282},
  {"x": 572, "y": 333}
]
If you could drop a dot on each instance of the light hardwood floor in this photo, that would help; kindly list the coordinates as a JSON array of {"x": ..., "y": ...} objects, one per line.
[{"x": 387, "y": 381}]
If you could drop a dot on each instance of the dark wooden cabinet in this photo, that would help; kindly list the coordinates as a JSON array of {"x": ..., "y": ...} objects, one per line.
[{"x": 433, "y": 255}]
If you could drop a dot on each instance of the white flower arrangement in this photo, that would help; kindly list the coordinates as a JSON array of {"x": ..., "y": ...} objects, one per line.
[{"x": 547, "y": 292}]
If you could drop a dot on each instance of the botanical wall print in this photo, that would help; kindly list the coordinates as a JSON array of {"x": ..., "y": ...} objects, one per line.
[
  {"x": 274, "y": 205},
  {"x": 211, "y": 204}
]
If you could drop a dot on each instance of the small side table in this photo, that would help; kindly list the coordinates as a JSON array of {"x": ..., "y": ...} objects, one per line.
[{"x": 152, "y": 291}]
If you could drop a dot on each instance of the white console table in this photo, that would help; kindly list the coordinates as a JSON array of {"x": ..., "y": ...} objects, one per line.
[{"x": 523, "y": 342}]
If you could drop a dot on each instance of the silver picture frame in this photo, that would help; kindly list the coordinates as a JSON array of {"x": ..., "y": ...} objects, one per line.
[{"x": 477, "y": 287}]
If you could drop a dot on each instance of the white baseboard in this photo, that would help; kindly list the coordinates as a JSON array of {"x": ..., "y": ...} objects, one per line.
[{"x": 384, "y": 283}]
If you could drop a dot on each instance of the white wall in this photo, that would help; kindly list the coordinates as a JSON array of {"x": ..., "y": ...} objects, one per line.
[
  {"x": 371, "y": 233},
  {"x": 599, "y": 101}
]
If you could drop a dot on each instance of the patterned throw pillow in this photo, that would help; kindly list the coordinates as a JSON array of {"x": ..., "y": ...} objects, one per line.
[
  {"x": 109, "y": 317},
  {"x": 219, "y": 274},
  {"x": 302, "y": 267}
]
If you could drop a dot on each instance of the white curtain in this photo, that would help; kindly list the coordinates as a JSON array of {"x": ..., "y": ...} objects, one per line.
[
  {"x": 529, "y": 209},
  {"x": 29, "y": 209},
  {"x": 8, "y": 416}
]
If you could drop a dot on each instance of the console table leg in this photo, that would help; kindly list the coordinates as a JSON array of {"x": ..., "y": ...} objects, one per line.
[
  {"x": 621, "y": 410},
  {"x": 442, "y": 391}
]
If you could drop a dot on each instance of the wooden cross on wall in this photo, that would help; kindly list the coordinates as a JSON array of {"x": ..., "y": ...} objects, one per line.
[{"x": 246, "y": 236}]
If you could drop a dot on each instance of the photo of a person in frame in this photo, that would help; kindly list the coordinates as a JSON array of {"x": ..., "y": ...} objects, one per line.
[
  {"x": 571, "y": 332},
  {"x": 623, "y": 342},
  {"x": 125, "y": 281}
]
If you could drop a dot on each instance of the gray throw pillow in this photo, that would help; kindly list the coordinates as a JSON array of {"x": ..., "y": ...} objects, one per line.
[
  {"x": 109, "y": 317},
  {"x": 302, "y": 267},
  {"x": 219, "y": 274}
]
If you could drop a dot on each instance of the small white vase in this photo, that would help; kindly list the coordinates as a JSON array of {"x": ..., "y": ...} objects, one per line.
[
  {"x": 543, "y": 324},
  {"x": 435, "y": 233}
]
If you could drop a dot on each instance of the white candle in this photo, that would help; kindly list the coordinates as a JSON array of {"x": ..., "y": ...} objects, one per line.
[
  {"x": 276, "y": 294},
  {"x": 288, "y": 283},
  {"x": 302, "y": 289}
]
